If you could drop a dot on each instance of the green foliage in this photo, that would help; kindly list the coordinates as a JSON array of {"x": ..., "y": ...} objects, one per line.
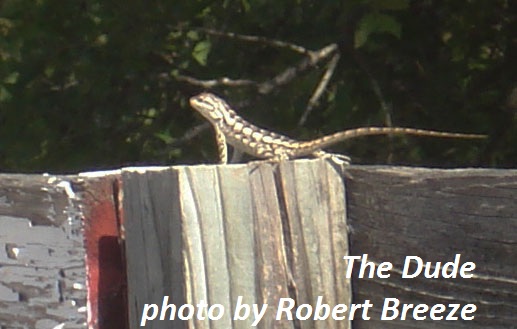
[
  {"x": 201, "y": 51},
  {"x": 375, "y": 23},
  {"x": 98, "y": 84}
]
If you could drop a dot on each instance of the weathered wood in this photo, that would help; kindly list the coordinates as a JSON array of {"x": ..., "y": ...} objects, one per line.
[
  {"x": 245, "y": 232},
  {"x": 42, "y": 273},
  {"x": 100, "y": 201},
  {"x": 268, "y": 231},
  {"x": 154, "y": 244},
  {"x": 316, "y": 232},
  {"x": 262, "y": 231},
  {"x": 435, "y": 214}
]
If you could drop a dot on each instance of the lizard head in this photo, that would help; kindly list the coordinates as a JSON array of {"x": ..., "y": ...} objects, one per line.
[{"x": 209, "y": 106}]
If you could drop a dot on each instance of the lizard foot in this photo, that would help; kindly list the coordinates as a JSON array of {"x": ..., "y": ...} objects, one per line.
[{"x": 338, "y": 159}]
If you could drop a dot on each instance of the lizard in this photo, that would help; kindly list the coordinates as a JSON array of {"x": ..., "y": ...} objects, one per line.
[{"x": 245, "y": 137}]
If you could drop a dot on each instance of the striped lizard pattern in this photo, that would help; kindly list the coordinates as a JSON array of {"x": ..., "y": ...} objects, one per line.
[{"x": 231, "y": 129}]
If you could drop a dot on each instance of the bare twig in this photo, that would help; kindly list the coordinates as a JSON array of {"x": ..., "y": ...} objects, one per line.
[
  {"x": 314, "y": 100},
  {"x": 187, "y": 136},
  {"x": 253, "y": 38},
  {"x": 191, "y": 133},
  {"x": 385, "y": 107},
  {"x": 311, "y": 59},
  {"x": 224, "y": 81},
  {"x": 291, "y": 72},
  {"x": 284, "y": 77}
]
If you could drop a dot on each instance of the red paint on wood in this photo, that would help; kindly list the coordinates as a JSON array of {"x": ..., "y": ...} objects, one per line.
[{"x": 105, "y": 263}]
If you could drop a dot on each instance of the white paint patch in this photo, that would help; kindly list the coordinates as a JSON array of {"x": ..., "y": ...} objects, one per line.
[
  {"x": 68, "y": 188},
  {"x": 59, "y": 326},
  {"x": 15, "y": 251},
  {"x": 78, "y": 286},
  {"x": 100, "y": 173}
]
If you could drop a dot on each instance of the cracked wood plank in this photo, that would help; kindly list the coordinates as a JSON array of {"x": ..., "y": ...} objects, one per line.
[
  {"x": 266, "y": 231},
  {"x": 42, "y": 274},
  {"x": 242, "y": 230}
]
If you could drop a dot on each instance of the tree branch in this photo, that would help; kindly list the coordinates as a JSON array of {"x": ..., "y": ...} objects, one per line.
[
  {"x": 191, "y": 133},
  {"x": 325, "y": 79},
  {"x": 208, "y": 84},
  {"x": 257, "y": 39},
  {"x": 312, "y": 59}
]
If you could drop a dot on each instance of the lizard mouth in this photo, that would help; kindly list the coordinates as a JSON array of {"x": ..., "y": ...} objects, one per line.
[{"x": 199, "y": 102}]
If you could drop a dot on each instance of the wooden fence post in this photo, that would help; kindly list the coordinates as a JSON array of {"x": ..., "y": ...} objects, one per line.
[
  {"x": 222, "y": 237},
  {"x": 270, "y": 231},
  {"x": 244, "y": 233}
]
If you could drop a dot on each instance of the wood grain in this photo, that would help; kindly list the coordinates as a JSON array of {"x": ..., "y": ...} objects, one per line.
[
  {"x": 435, "y": 214},
  {"x": 246, "y": 230},
  {"x": 42, "y": 269},
  {"x": 266, "y": 231}
]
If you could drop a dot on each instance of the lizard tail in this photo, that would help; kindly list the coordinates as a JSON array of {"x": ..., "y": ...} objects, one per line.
[{"x": 367, "y": 131}]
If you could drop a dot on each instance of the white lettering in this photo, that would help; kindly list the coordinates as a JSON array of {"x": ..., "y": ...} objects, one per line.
[
  {"x": 165, "y": 307},
  {"x": 145, "y": 315},
  {"x": 420, "y": 308},
  {"x": 383, "y": 267},
  {"x": 452, "y": 312},
  {"x": 407, "y": 262},
  {"x": 339, "y": 309},
  {"x": 467, "y": 309},
  {"x": 202, "y": 306},
  {"x": 434, "y": 270},
  {"x": 287, "y": 310},
  {"x": 320, "y": 311},
  {"x": 454, "y": 268},
  {"x": 300, "y": 310},
  {"x": 437, "y": 309},
  {"x": 393, "y": 309},
  {"x": 212, "y": 309},
  {"x": 350, "y": 265},
  {"x": 387, "y": 308},
  {"x": 181, "y": 312},
  {"x": 467, "y": 267},
  {"x": 366, "y": 264},
  {"x": 241, "y": 307},
  {"x": 258, "y": 314},
  {"x": 319, "y": 307}
]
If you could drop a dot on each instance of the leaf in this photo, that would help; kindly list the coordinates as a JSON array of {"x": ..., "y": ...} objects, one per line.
[
  {"x": 246, "y": 5},
  {"x": 4, "y": 95},
  {"x": 375, "y": 23},
  {"x": 193, "y": 35},
  {"x": 12, "y": 78},
  {"x": 165, "y": 137},
  {"x": 201, "y": 51}
]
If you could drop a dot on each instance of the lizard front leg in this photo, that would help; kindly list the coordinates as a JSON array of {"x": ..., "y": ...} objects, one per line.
[{"x": 222, "y": 147}]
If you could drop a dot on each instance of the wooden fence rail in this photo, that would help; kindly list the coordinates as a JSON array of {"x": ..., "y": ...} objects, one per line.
[{"x": 219, "y": 238}]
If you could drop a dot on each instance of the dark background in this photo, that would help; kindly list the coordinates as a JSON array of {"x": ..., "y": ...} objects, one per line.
[{"x": 90, "y": 85}]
